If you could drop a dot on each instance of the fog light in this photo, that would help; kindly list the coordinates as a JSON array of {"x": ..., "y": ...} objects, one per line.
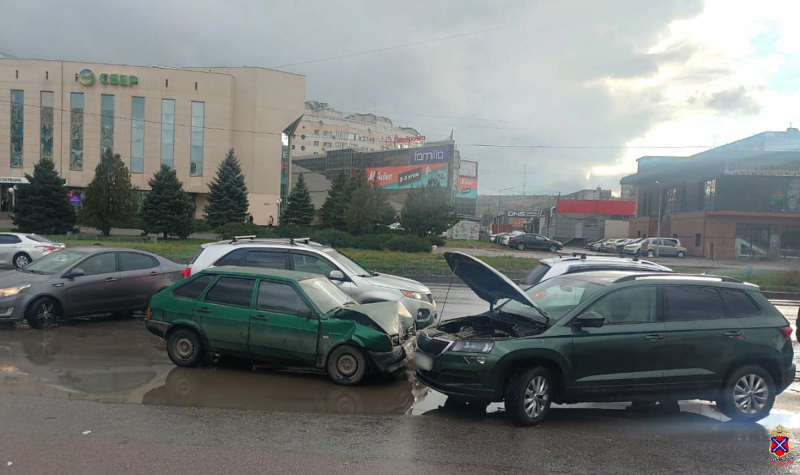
[
  {"x": 423, "y": 314},
  {"x": 475, "y": 359},
  {"x": 6, "y": 312}
]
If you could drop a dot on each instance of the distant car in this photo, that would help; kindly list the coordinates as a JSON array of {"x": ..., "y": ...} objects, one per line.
[
  {"x": 396, "y": 227},
  {"x": 507, "y": 236},
  {"x": 534, "y": 241},
  {"x": 633, "y": 246},
  {"x": 83, "y": 281},
  {"x": 589, "y": 244},
  {"x": 548, "y": 268},
  {"x": 297, "y": 318},
  {"x": 20, "y": 249},
  {"x": 662, "y": 247}
]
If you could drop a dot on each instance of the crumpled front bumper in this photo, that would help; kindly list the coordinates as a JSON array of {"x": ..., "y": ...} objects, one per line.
[{"x": 391, "y": 361}]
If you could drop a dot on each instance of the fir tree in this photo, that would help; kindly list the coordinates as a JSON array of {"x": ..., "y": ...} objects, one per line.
[
  {"x": 361, "y": 214},
  {"x": 110, "y": 199},
  {"x": 384, "y": 211},
  {"x": 167, "y": 209},
  {"x": 331, "y": 214},
  {"x": 299, "y": 209},
  {"x": 43, "y": 205},
  {"x": 227, "y": 196},
  {"x": 427, "y": 210}
]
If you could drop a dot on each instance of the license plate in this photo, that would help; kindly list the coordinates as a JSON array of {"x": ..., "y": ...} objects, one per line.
[{"x": 423, "y": 362}]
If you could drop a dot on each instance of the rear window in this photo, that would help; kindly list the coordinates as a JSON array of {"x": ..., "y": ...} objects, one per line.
[
  {"x": 37, "y": 238},
  {"x": 739, "y": 303},
  {"x": 693, "y": 302},
  {"x": 536, "y": 274},
  {"x": 194, "y": 288},
  {"x": 232, "y": 258}
]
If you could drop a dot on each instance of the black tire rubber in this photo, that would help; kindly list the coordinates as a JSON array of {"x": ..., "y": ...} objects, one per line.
[
  {"x": 553, "y": 248},
  {"x": 185, "y": 336},
  {"x": 17, "y": 256},
  {"x": 355, "y": 356},
  {"x": 515, "y": 395},
  {"x": 726, "y": 402},
  {"x": 681, "y": 254},
  {"x": 521, "y": 246},
  {"x": 651, "y": 254},
  {"x": 32, "y": 313}
]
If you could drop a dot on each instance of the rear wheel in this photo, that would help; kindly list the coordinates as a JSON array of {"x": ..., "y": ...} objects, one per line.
[
  {"x": 21, "y": 260},
  {"x": 185, "y": 347},
  {"x": 347, "y": 365},
  {"x": 681, "y": 254},
  {"x": 528, "y": 396},
  {"x": 521, "y": 246},
  {"x": 747, "y": 394},
  {"x": 553, "y": 248},
  {"x": 42, "y": 313}
]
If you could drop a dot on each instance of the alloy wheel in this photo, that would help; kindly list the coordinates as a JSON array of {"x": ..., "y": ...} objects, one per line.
[
  {"x": 47, "y": 313},
  {"x": 536, "y": 395},
  {"x": 750, "y": 394}
]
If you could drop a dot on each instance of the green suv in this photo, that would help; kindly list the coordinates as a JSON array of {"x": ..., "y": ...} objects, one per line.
[
  {"x": 288, "y": 317},
  {"x": 609, "y": 336}
]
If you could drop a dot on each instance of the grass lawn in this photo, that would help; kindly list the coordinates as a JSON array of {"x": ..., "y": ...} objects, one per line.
[
  {"x": 469, "y": 244},
  {"x": 181, "y": 251}
]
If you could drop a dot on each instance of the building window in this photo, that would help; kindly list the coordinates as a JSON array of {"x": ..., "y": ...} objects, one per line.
[
  {"x": 46, "y": 139},
  {"x": 326, "y": 133},
  {"x": 316, "y": 132},
  {"x": 698, "y": 240},
  {"x": 292, "y": 147},
  {"x": 316, "y": 143},
  {"x": 196, "y": 152},
  {"x": 76, "y": 131},
  {"x": 303, "y": 136},
  {"x": 167, "y": 131},
  {"x": 639, "y": 234},
  {"x": 326, "y": 144},
  {"x": 106, "y": 123},
  {"x": 137, "y": 135},
  {"x": 669, "y": 200},
  {"x": 17, "y": 124},
  {"x": 302, "y": 147},
  {"x": 708, "y": 193}
]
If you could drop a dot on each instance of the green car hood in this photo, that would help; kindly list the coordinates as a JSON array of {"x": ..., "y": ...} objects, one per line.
[{"x": 391, "y": 318}]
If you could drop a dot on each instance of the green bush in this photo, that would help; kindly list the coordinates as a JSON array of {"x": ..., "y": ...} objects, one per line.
[
  {"x": 408, "y": 244},
  {"x": 437, "y": 241},
  {"x": 375, "y": 242},
  {"x": 202, "y": 226},
  {"x": 231, "y": 230},
  {"x": 333, "y": 238}
]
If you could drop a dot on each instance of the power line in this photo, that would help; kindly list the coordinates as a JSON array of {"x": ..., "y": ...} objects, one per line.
[{"x": 388, "y": 48}]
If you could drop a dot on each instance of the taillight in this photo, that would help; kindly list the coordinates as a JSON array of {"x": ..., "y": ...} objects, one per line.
[
  {"x": 148, "y": 314},
  {"x": 187, "y": 272},
  {"x": 787, "y": 333},
  {"x": 46, "y": 248}
]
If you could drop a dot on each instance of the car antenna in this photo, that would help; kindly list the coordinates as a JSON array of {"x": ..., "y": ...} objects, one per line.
[{"x": 446, "y": 294}]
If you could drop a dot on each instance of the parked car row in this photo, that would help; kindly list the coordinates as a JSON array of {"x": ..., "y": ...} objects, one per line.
[
  {"x": 522, "y": 241},
  {"x": 650, "y": 247}
]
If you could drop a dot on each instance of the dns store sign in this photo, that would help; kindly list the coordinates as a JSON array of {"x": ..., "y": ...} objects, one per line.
[{"x": 87, "y": 78}]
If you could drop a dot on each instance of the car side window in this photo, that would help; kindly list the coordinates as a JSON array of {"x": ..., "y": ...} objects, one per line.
[
  {"x": 540, "y": 238},
  {"x": 136, "y": 261},
  {"x": 281, "y": 298},
  {"x": 265, "y": 259},
  {"x": 311, "y": 264},
  {"x": 668, "y": 243},
  {"x": 631, "y": 305},
  {"x": 232, "y": 258},
  {"x": 99, "y": 264},
  {"x": 692, "y": 302},
  {"x": 9, "y": 239},
  {"x": 739, "y": 303},
  {"x": 194, "y": 288},
  {"x": 231, "y": 291}
]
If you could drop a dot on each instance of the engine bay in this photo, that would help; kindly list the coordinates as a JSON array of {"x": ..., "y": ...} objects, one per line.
[{"x": 488, "y": 326}]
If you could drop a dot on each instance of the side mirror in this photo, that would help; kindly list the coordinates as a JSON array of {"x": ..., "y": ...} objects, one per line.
[
  {"x": 76, "y": 272},
  {"x": 590, "y": 320},
  {"x": 336, "y": 275}
]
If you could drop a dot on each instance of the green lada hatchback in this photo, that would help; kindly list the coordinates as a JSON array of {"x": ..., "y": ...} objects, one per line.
[
  {"x": 287, "y": 317},
  {"x": 609, "y": 336}
]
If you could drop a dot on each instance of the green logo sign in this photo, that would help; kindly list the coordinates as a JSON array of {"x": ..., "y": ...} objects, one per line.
[{"x": 86, "y": 77}]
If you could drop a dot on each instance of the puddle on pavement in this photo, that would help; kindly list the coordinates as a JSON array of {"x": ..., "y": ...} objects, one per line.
[{"x": 119, "y": 362}]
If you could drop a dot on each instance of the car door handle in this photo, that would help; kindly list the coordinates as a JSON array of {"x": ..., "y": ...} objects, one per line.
[
  {"x": 654, "y": 337},
  {"x": 260, "y": 317},
  {"x": 153, "y": 274},
  {"x": 733, "y": 334},
  {"x": 204, "y": 310},
  {"x": 111, "y": 279}
]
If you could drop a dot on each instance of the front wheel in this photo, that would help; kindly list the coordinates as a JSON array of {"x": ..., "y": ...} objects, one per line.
[
  {"x": 528, "y": 396},
  {"x": 553, "y": 248},
  {"x": 747, "y": 394},
  {"x": 42, "y": 313},
  {"x": 521, "y": 246},
  {"x": 21, "y": 260},
  {"x": 681, "y": 254},
  {"x": 347, "y": 365},
  {"x": 185, "y": 347}
]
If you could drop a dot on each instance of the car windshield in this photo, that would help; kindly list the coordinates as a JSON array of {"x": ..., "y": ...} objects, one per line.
[
  {"x": 325, "y": 295},
  {"x": 556, "y": 296},
  {"x": 349, "y": 265},
  {"x": 37, "y": 238},
  {"x": 56, "y": 262}
]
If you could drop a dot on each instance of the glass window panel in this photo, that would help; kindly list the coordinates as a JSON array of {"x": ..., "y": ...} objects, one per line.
[
  {"x": 231, "y": 291},
  {"x": 76, "y": 131},
  {"x": 46, "y": 138},
  {"x": 693, "y": 303},
  {"x": 17, "y": 127},
  {"x": 137, "y": 135},
  {"x": 167, "y": 132},
  {"x": 196, "y": 150},
  {"x": 106, "y": 123},
  {"x": 281, "y": 298},
  {"x": 633, "y": 305},
  {"x": 194, "y": 288}
]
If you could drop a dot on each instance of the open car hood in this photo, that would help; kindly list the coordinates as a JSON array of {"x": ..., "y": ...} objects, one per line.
[
  {"x": 391, "y": 318},
  {"x": 485, "y": 281}
]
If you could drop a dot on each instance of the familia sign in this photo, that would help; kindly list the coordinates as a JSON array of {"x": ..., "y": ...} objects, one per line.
[
  {"x": 87, "y": 78},
  {"x": 409, "y": 176},
  {"x": 435, "y": 154},
  {"x": 756, "y": 168}
]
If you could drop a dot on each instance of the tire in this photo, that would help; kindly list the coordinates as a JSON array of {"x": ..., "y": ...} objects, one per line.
[
  {"x": 681, "y": 254},
  {"x": 347, "y": 365},
  {"x": 521, "y": 246},
  {"x": 651, "y": 254},
  {"x": 537, "y": 382},
  {"x": 553, "y": 248},
  {"x": 737, "y": 388},
  {"x": 21, "y": 260},
  {"x": 185, "y": 348},
  {"x": 42, "y": 313}
]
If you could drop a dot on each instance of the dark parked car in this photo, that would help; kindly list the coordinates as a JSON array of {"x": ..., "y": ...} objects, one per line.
[
  {"x": 534, "y": 241},
  {"x": 83, "y": 281},
  {"x": 610, "y": 336}
]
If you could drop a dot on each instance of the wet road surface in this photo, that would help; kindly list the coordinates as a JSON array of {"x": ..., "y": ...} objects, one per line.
[{"x": 47, "y": 377}]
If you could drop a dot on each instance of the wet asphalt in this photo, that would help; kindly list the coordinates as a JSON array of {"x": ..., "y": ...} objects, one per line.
[{"x": 113, "y": 378}]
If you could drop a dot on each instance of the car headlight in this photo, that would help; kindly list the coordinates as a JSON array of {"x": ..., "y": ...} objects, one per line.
[
  {"x": 413, "y": 295},
  {"x": 9, "y": 291},
  {"x": 464, "y": 346}
]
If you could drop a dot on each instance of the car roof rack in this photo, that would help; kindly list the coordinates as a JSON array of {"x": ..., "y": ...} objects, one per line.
[
  {"x": 582, "y": 254},
  {"x": 292, "y": 241},
  {"x": 670, "y": 276},
  {"x": 239, "y": 238}
]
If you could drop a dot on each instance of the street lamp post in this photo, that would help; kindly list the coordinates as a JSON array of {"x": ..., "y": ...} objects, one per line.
[
  {"x": 658, "y": 237},
  {"x": 500, "y": 205}
]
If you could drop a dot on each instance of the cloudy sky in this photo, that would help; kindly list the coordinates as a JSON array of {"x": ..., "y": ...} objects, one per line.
[{"x": 598, "y": 83}]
